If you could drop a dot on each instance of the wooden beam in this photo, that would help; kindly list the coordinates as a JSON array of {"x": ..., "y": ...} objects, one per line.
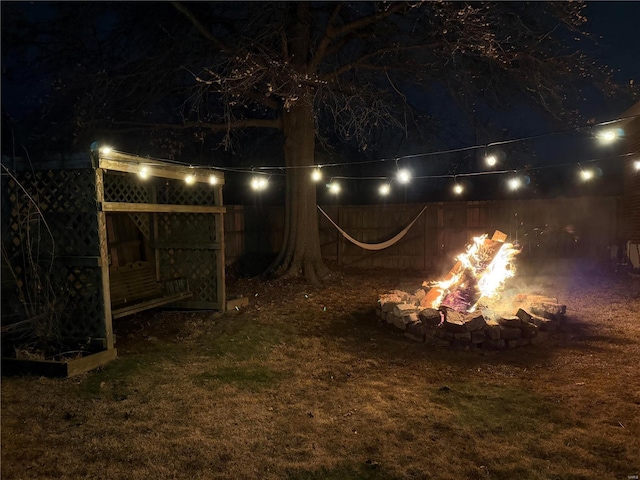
[
  {"x": 80, "y": 261},
  {"x": 58, "y": 369},
  {"x": 104, "y": 258},
  {"x": 159, "y": 208},
  {"x": 156, "y": 302},
  {"x": 198, "y": 305},
  {"x": 120, "y": 162},
  {"x": 91, "y": 362},
  {"x": 220, "y": 262},
  {"x": 189, "y": 246}
]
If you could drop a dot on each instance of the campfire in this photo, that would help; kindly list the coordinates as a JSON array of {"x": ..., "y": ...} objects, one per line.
[{"x": 466, "y": 307}]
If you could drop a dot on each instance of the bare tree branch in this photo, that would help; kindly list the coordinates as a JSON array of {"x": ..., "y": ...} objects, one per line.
[
  {"x": 214, "y": 127},
  {"x": 200, "y": 27}
]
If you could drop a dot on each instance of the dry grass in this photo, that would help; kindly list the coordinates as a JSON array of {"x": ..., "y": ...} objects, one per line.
[{"x": 305, "y": 384}]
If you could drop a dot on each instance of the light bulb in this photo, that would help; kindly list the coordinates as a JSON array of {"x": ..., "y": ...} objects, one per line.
[
  {"x": 586, "y": 174},
  {"x": 384, "y": 189},
  {"x": 105, "y": 150},
  {"x": 607, "y": 136},
  {"x": 316, "y": 175},
  {"x": 143, "y": 173},
  {"x": 334, "y": 188},
  {"x": 636, "y": 165},
  {"x": 514, "y": 183},
  {"x": 190, "y": 179},
  {"x": 458, "y": 189},
  {"x": 491, "y": 160},
  {"x": 212, "y": 179},
  {"x": 259, "y": 183},
  {"x": 404, "y": 176}
]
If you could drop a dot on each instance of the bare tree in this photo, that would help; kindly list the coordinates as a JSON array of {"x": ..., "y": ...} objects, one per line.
[{"x": 316, "y": 71}]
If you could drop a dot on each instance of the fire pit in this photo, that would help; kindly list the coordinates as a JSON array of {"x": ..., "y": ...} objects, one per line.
[{"x": 466, "y": 308}]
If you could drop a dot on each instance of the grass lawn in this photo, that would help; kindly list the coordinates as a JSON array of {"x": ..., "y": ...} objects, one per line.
[{"x": 305, "y": 383}]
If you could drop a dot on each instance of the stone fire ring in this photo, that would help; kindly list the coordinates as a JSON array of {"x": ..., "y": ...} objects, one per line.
[{"x": 526, "y": 320}]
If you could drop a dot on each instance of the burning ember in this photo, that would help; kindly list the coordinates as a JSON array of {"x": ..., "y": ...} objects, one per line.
[
  {"x": 479, "y": 273},
  {"x": 464, "y": 307}
]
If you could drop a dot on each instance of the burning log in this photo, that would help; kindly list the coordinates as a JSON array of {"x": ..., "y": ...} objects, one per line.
[{"x": 476, "y": 274}]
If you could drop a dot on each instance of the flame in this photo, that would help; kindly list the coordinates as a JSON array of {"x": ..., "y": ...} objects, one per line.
[
  {"x": 487, "y": 273},
  {"x": 501, "y": 269}
]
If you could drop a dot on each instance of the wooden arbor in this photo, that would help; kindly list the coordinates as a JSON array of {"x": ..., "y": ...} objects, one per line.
[
  {"x": 179, "y": 212},
  {"x": 72, "y": 249}
]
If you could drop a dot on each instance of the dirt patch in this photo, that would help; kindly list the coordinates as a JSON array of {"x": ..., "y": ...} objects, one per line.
[{"x": 306, "y": 383}]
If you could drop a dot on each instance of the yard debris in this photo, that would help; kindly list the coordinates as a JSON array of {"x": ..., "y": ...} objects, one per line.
[{"x": 372, "y": 464}]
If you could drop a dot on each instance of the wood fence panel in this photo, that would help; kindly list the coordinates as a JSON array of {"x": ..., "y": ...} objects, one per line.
[{"x": 563, "y": 227}]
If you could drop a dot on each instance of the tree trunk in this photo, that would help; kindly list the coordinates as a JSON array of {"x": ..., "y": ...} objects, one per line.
[{"x": 300, "y": 251}]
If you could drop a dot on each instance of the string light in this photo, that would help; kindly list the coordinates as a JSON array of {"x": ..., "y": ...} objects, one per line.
[
  {"x": 514, "y": 183},
  {"x": 586, "y": 175},
  {"x": 608, "y": 136},
  {"x": 259, "y": 183},
  {"x": 404, "y": 176},
  {"x": 616, "y": 133}
]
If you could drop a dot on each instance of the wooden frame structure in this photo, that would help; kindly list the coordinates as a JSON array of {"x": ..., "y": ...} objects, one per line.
[
  {"x": 183, "y": 223},
  {"x": 178, "y": 210}
]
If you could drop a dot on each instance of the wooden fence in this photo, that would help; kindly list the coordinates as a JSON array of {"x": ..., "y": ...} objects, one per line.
[{"x": 562, "y": 227}]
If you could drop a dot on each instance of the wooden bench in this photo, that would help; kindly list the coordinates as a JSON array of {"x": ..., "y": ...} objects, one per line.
[{"x": 134, "y": 288}]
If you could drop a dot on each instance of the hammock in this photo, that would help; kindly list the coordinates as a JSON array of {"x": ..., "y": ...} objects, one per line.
[{"x": 374, "y": 246}]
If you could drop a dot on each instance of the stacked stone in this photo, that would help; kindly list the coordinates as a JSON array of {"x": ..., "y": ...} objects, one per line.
[{"x": 534, "y": 317}]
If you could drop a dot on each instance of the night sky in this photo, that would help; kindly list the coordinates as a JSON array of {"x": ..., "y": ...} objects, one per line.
[{"x": 615, "y": 26}]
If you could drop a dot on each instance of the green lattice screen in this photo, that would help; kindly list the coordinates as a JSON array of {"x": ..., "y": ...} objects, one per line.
[
  {"x": 64, "y": 247},
  {"x": 189, "y": 248},
  {"x": 177, "y": 193},
  {"x": 127, "y": 188}
]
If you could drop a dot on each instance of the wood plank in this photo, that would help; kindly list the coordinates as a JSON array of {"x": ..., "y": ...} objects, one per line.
[
  {"x": 220, "y": 261},
  {"x": 91, "y": 362},
  {"x": 104, "y": 259},
  {"x": 58, "y": 369},
  {"x": 159, "y": 208},
  {"x": 156, "y": 302},
  {"x": 237, "y": 302},
  {"x": 80, "y": 261},
  {"x": 40, "y": 368},
  {"x": 189, "y": 246},
  {"x": 120, "y": 162},
  {"x": 198, "y": 305}
]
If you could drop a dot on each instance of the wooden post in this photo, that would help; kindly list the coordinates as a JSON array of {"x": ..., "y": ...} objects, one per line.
[
  {"x": 154, "y": 233},
  {"x": 338, "y": 240},
  {"x": 104, "y": 258},
  {"x": 220, "y": 263}
]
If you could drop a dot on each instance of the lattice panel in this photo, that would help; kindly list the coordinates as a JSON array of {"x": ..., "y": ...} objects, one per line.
[
  {"x": 126, "y": 188},
  {"x": 177, "y": 193},
  {"x": 66, "y": 199},
  {"x": 81, "y": 293},
  {"x": 63, "y": 191},
  {"x": 198, "y": 266},
  {"x": 187, "y": 228},
  {"x": 142, "y": 222}
]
